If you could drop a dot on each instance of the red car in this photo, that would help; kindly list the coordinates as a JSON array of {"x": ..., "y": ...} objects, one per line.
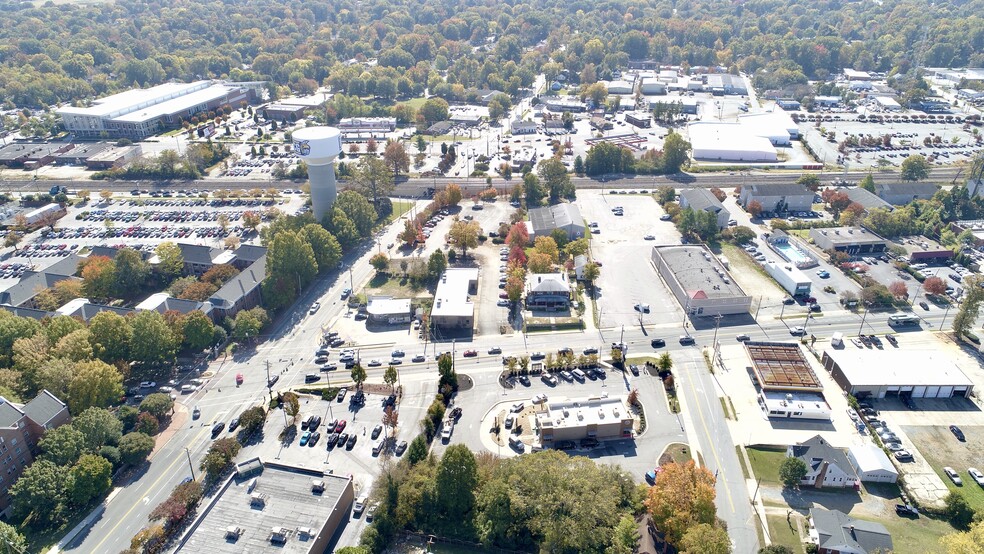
[
  {"x": 239, "y": 378},
  {"x": 471, "y": 353},
  {"x": 340, "y": 426},
  {"x": 504, "y": 295}
]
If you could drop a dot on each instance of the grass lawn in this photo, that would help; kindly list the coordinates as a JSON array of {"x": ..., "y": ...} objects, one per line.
[
  {"x": 972, "y": 493},
  {"x": 677, "y": 453},
  {"x": 739, "y": 259},
  {"x": 765, "y": 463},
  {"x": 394, "y": 284},
  {"x": 784, "y": 533},
  {"x": 400, "y": 207},
  {"x": 916, "y": 535}
]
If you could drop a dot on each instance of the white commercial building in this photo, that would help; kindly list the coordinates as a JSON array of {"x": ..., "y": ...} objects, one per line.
[
  {"x": 453, "y": 306},
  {"x": 729, "y": 142},
  {"x": 620, "y": 87},
  {"x": 887, "y": 373},
  {"x": 580, "y": 418},
  {"x": 872, "y": 464},
  {"x": 790, "y": 278},
  {"x": 652, "y": 85},
  {"x": 388, "y": 310},
  {"x": 776, "y": 126},
  {"x": 139, "y": 113},
  {"x": 888, "y": 103}
]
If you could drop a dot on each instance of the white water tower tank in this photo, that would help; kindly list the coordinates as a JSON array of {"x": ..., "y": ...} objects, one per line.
[{"x": 318, "y": 147}]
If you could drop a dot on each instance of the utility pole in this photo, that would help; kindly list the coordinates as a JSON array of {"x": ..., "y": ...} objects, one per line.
[
  {"x": 190, "y": 465},
  {"x": 714, "y": 342},
  {"x": 269, "y": 384},
  {"x": 863, "y": 316},
  {"x": 944, "y": 316}
]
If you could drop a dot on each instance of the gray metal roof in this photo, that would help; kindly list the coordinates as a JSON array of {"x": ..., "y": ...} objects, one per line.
[
  {"x": 250, "y": 253},
  {"x": 27, "y": 312},
  {"x": 867, "y": 199},
  {"x": 547, "y": 283},
  {"x": 839, "y": 532},
  {"x": 240, "y": 285},
  {"x": 29, "y": 285},
  {"x": 702, "y": 199},
  {"x": 779, "y": 189},
  {"x": 197, "y": 254},
  {"x": 44, "y": 408},
  {"x": 9, "y": 413},
  {"x": 554, "y": 217},
  {"x": 913, "y": 188}
]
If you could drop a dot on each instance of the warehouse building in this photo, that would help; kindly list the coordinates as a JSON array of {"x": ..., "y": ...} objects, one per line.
[
  {"x": 886, "y": 373},
  {"x": 790, "y": 388},
  {"x": 699, "y": 281},
  {"x": 268, "y": 506},
  {"x": 114, "y": 156},
  {"x": 872, "y": 464},
  {"x": 639, "y": 119},
  {"x": 652, "y": 85},
  {"x": 140, "y": 113},
  {"x": 777, "y": 197},
  {"x": 582, "y": 418},
  {"x": 922, "y": 249},
  {"x": 565, "y": 216},
  {"x": 723, "y": 83},
  {"x": 729, "y": 142},
  {"x": 620, "y": 87},
  {"x": 81, "y": 153},
  {"x": 703, "y": 199},
  {"x": 855, "y": 241},
  {"x": 777, "y": 126}
]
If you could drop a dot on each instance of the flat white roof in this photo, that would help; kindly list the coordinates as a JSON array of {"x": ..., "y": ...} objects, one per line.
[
  {"x": 152, "y": 301},
  {"x": 901, "y": 367},
  {"x": 130, "y": 100},
  {"x": 869, "y": 457},
  {"x": 812, "y": 406},
  {"x": 581, "y": 412},
  {"x": 451, "y": 298},
  {"x": 387, "y": 305},
  {"x": 729, "y": 141},
  {"x": 789, "y": 269},
  {"x": 176, "y": 105}
]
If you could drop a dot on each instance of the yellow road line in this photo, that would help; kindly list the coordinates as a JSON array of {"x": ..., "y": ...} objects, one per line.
[
  {"x": 707, "y": 433},
  {"x": 166, "y": 473}
]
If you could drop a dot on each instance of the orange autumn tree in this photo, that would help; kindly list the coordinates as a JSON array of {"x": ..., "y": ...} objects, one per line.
[{"x": 682, "y": 497}]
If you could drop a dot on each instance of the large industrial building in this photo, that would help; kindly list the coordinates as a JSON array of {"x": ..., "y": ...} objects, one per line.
[
  {"x": 900, "y": 194},
  {"x": 268, "y": 506},
  {"x": 729, "y": 142},
  {"x": 855, "y": 241},
  {"x": 140, "y": 113},
  {"x": 579, "y": 418},
  {"x": 700, "y": 283},
  {"x": 885, "y": 373}
]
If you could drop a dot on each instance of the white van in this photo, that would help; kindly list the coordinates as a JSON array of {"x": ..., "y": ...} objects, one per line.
[
  {"x": 579, "y": 375},
  {"x": 837, "y": 340}
]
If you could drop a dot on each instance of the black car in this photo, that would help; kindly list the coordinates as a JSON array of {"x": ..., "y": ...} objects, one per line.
[
  {"x": 590, "y": 350},
  {"x": 590, "y": 372},
  {"x": 350, "y": 443},
  {"x": 524, "y": 380},
  {"x": 686, "y": 339},
  {"x": 305, "y": 423},
  {"x": 329, "y": 367},
  {"x": 634, "y": 369},
  {"x": 957, "y": 433},
  {"x": 566, "y": 445},
  {"x": 342, "y": 439},
  {"x": 376, "y": 431},
  {"x": 217, "y": 428},
  {"x": 332, "y": 439},
  {"x": 315, "y": 422},
  {"x": 389, "y": 401},
  {"x": 906, "y": 510},
  {"x": 589, "y": 442},
  {"x": 359, "y": 398},
  {"x": 657, "y": 343},
  {"x": 401, "y": 448},
  {"x": 315, "y": 436},
  {"x": 233, "y": 424}
]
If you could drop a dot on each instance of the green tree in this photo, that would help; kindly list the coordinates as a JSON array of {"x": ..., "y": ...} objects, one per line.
[
  {"x": 60, "y": 327},
  {"x": 99, "y": 427},
  {"x": 380, "y": 262},
  {"x": 396, "y": 157},
  {"x": 705, "y": 538},
  {"x": 12, "y": 328},
  {"x": 157, "y": 404},
  {"x": 198, "y": 331},
  {"x": 625, "y": 538},
  {"x": 457, "y": 478},
  {"x": 436, "y": 264},
  {"x": 95, "y": 383},
  {"x": 220, "y": 456},
  {"x": 417, "y": 451},
  {"x": 13, "y": 541},
  {"x": 248, "y": 323},
  {"x": 358, "y": 375},
  {"x": 90, "y": 477},
  {"x": 553, "y": 174},
  {"x": 39, "y": 494},
  {"x": 447, "y": 375},
  {"x": 535, "y": 192},
  {"x": 958, "y": 511},
  {"x": 676, "y": 153},
  {"x": 171, "y": 261},
  {"x": 252, "y": 419},
  {"x": 135, "y": 447},
  {"x": 914, "y": 168},
  {"x": 327, "y": 251},
  {"x": 358, "y": 210},
  {"x": 810, "y": 181},
  {"x": 98, "y": 276},
  {"x": 373, "y": 178},
  {"x": 578, "y": 165},
  {"x": 153, "y": 341},
  {"x": 963, "y": 322},
  {"x": 290, "y": 266},
  {"x": 433, "y": 110},
  {"x": 390, "y": 376},
  {"x": 867, "y": 183},
  {"x": 775, "y": 549},
  {"x": 111, "y": 335},
  {"x": 499, "y": 107},
  {"x": 969, "y": 542},
  {"x": 62, "y": 445},
  {"x": 75, "y": 346},
  {"x": 131, "y": 272},
  {"x": 792, "y": 471}
]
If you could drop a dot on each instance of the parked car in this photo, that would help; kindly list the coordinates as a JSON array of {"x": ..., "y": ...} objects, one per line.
[
  {"x": 590, "y": 350},
  {"x": 350, "y": 443},
  {"x": 657, "y": 343},
  {"x": 953, "y": 475},
  {"x": 904, "y": 456},
  {"x": 401, "y": 447},
  {"x": 976, "y": 475},
  {"x": 957, "y": 433},
  {"x": 217, "y": 428},
  {"x": 376, "y": 431},
  {"x": 341, "y": 393},
  {"x": 305, "y": 437},
  {"x": 906, "y": 510}
]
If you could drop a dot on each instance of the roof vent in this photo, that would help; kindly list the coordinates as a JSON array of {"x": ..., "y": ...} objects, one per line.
[
  {"x": 233, "y": 532},
  {"x": 257, "y": 499},
  {"x": 317, "y": 485},
  {"x": 278, "y": 535}
]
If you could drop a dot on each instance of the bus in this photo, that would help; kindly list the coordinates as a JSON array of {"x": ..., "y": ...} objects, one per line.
[{"x": 902, "y": 320}]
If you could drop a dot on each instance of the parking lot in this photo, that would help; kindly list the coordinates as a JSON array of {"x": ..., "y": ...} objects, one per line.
[{"x": 627, "y": 274}]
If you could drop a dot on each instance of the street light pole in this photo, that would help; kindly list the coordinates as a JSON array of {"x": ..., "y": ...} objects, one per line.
[
  {"x": 865, "y": 315},
  {"x": 190, "y": 465}
]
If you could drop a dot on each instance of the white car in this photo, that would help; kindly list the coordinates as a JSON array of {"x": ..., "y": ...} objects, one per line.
[
  {"x": 539, "y": 399},
  {"x": 797, "y": 331},
  {"x": 148, "y": 384},
  {"x": 976, "y": 475},
  {"x": 502, "y": 303},
  {"x": 517, "y": 407},
  {"x": 314, "y": 307},
  {"x": 953, "y": 476}
]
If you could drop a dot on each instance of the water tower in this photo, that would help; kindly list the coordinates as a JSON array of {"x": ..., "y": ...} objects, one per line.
[{"x": 318, "y": 147}]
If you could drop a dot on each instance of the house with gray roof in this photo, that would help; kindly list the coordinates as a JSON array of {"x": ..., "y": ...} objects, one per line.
[
  {"x": 704, "y": 200},
  {"x": 835, "y": 532},
  {"x": 901, "y": 194},
  {"x": 242, "y": 292},
  {"x": 21, "y": 426},
  {"x": 162, "y": 302},
  {"x": 246, "y": 254},
  {"x": 198, "y": 258},
  {"x": 28, "y": 312},
  {"x": 867, "y": 199},
  {"x": 564, "y": 216},
  {"x": 826, "y": 466},
  {"x": 84, "y": 309},
  {"x": 22, "y": 293}
]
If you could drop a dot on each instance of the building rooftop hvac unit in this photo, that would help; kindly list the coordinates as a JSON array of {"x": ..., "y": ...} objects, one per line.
[
  {"x": 317, "y": 485},
  {"x": 278, "y": 535},
  {"x": 233, "y": 532},
  {"x": 257, "y": 499}
]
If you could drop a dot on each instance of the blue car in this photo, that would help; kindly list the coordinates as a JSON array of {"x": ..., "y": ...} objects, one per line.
[
  {"x": 305, "y": 437},
  {"x": 823, "y": 274}
]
